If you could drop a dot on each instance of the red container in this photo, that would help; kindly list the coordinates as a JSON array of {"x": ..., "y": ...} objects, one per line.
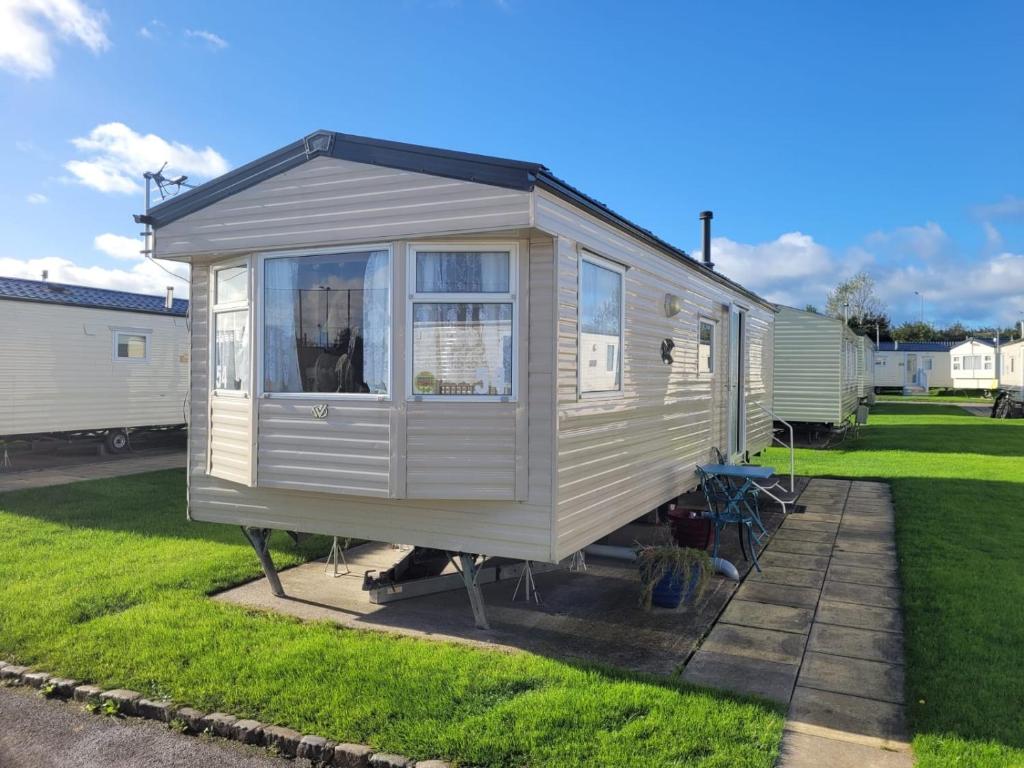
[{"x": 689, "y": 528}]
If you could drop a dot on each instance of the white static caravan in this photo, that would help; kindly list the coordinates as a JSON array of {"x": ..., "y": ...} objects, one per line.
[
  {"x": 340, "y": 252},
  {"x": 815, "y": 378},
  {"x": 973, "y": 365},
  {"x": 1011, "y": 368},
  {"x": 913, "y": 365},
  {"x": 79, "y": 360}
]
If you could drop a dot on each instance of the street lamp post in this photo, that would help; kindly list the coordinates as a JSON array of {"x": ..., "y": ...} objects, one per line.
[{"x": 921, "y": 295}]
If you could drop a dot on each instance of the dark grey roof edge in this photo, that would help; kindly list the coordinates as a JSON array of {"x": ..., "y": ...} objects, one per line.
[
  {"x": 465, "y": 166},
  {"x": 87, "y": 305}
]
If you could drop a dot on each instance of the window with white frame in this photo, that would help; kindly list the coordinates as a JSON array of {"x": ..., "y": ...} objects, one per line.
[
  {"x": 231, "y": 335},
  {"x": 706, "y": 346},
  {"x": 988, "y": 362},
  {"x": 601, "y": 318},
  {"x": 462, "y": 310},
  {"x": 327, "y": 322},
  {"x": 956, "y": 362},
  {"x": 131, "y": 346},
  {"x": 927, "y": 363}
]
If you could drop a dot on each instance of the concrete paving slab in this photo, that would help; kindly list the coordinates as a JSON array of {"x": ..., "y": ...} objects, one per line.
[
  {"x": 857, "y": 677},
  {"x": 778, "y": 594},
  {"x": 742, "y": 674},
  {"x": 869, "y": 644},
  {"x": 865, "y": 560},
  {"x": 769, "y": 644},
  {"x": 821, "y": 517},
  {"x": 804, "y": 750},
  {"x": 767, "y": 616},
  {"x": 873, "y": 576},
  {"x": 861, "y": 594},
  {"x": 796, "y": 522},
  {"x": 800, "y": 547},
  {"x": 803, "y": 534},
  {"x": 773, "y": 557},
  {"x": 859, "y": 616},
  {"x": 848, "y": 718},
  {"x": 793, "y": 577}
]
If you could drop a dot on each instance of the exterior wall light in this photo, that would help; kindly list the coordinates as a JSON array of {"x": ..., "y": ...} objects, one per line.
[{"x": 673, "y": 305}]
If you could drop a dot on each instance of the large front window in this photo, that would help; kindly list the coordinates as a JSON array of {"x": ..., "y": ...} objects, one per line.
[
  {"x": 327, "y": 323},
  {"x": 462, "y": 310},
  {"x": 600, "y": 320}
]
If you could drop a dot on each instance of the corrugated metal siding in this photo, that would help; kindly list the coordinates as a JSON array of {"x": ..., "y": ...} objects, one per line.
[
  {"x": 58, "y": 372},
  {"x": 890, "y": 368},
  {"x": 231, "y": 438},
  {"x": 199, "y": 397},
  {"x": 347, "y": 452},
  {"x": 809, "y": 368},
  {"x": 327, "y": 201},
  {"x": 620, "y": 457}
]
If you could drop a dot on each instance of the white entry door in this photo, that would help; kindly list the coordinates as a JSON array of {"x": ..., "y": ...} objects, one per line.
[{"x": 737, "y": 383}]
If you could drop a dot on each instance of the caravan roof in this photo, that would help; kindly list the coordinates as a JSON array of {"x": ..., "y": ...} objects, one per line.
[{"x": 46, "y": 292}]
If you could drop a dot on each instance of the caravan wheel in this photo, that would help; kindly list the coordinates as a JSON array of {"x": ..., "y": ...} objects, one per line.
[{"x": 117, "y": 442}]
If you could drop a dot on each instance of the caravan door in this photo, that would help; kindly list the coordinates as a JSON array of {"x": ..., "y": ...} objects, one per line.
[{"x": 737, "y": 383}]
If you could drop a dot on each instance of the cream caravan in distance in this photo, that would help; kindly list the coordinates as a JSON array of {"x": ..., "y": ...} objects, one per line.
[
  {"x": 388, "y": 342},
  {"x": 82, "y": 361}
]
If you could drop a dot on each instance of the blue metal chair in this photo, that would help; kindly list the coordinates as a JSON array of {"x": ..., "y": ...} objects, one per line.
[{"x": 728, "y": 504}]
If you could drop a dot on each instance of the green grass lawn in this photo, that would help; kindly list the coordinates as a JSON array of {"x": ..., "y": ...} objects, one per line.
[
  {"x": 106, "y": 581},
  {"x": 955, "y": 397},
  {"x": 958, "y": 486}
]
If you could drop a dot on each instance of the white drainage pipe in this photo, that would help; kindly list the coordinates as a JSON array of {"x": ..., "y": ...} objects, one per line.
[{"x": 628, "y": 554}]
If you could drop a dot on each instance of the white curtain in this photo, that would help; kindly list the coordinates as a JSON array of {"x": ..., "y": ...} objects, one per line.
[
  {"x": 376, "y": 322},
  {"x": 281, "y": 360},
  {"x": 462, "y": 272}
]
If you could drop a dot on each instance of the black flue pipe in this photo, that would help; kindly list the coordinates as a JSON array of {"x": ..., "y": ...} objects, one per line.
[{"x": 706, "y": 217}]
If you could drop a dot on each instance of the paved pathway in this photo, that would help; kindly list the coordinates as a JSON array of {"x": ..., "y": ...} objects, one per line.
[
  {"x": 101, "y": 468},
  {"x": 820, "y": 630}
]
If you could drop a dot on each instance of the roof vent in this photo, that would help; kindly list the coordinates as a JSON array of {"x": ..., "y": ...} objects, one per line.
[
  {"x": 46, "y": 274},
  {"x": 318, "y": 143},
  {"x": 169, "y": 298}
]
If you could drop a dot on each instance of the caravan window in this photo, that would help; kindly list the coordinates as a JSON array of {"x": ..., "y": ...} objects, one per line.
[
  {"x": 600, "y": 320},
  {"x": 327, "y": 323},
  {"x": 706, "y": 347},
  {"x": 230, "y": 321},
  {"x": 131, "y": 346},
  {"x": 462, "y": 311}
]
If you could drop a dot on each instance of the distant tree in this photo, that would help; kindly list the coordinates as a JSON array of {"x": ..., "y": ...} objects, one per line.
[
  {"x": 914, "y": 331},
  {"x": 954, "y": 332},
  {"x": 855, "y": 298},
  {"x": 812, "y": 309},
  {"x": 873, "y": 326}
]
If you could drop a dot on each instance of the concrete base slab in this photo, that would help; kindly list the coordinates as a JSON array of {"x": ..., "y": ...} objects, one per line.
[
  {"x": 856, "y": 643},
  {"x": 848, "y": 718},
  {"x": 804, "y": 750},
  {"x": 774, "y": 557},
  {"x": 857, "y": 677},
  {"x": 861, "y": 594},
  {"x": 741, "y": 674},
  {"x": 767, "y": 616},
  {"x": 768, "y": 644},
  {"x": 800, "y": 547},
  {"x": 791, "y": 577},
  {"x": 860, "y": 616},
  {"x": 777, "y": 594},
  {"x": 870, "y": 576}
]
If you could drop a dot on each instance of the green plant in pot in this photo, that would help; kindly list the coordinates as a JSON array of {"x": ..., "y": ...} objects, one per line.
[{"x": 670, "y": 573}]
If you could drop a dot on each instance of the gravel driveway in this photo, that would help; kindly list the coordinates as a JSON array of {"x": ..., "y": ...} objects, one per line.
[{"x": 40, "y": 733}]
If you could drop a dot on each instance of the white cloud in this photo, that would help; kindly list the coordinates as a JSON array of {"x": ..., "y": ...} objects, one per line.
[
  {"x": 151, "y": 30},
  {"x": 28, "y": 28},
  {"x": 36, "y": 198},
  {"x": 215, "y": 42},
  {"x": 119, "y": 246},
  {"x": 118, "y": 156},
  {"x": 924, "y": 242},
  {"x": 1008, "y": 207},
  {"x": 993, "y": 237},
  {"x": 144, "y": 277}
]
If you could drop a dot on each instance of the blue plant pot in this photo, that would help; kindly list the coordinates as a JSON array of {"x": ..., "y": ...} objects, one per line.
[{"x": 670, "y": 591}]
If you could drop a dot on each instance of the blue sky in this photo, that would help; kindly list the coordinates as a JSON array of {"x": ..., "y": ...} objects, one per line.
[{"x": 827, "y": 138}]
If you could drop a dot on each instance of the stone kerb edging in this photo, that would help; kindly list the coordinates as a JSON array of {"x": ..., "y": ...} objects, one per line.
[{"x": 283, "y": 741}]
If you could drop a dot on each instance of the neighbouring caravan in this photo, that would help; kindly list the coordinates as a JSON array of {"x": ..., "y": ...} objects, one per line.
[
  {"x": 87, "y": 361},
  {"x": 1011, "y": 369},
  {"x": 865, "y": 369},
  {"x": 913, "y": 365},
  {"x": 973, "y": 365},
  {"x": 816, "y": 368},
  {"x": 460, "y": 352}
]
